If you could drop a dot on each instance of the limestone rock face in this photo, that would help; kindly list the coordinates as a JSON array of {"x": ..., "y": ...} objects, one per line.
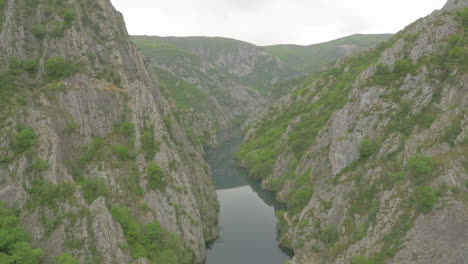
[
  {"x": 76, "y": 120},
  {"x": 366, "y": 205}
]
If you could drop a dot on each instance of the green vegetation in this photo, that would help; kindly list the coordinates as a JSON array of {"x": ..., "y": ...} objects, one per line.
[
  {"x": 149, "y": 145},
  {"x": 185, "y": 95},
  {"x": 126, "y": 128},
  {"x": 420, "y": 167},
  {"x": 123, "y": 152},
  {"x": 67, "y": 259},
  {"x": 368, "y": 148},
  {"x": 70, "y": 128},
  {"x": 425, "y": 198},
  {"x": 14, "y": 241},
  {"x": 304, "y": 59},
  {"x": 155, "y": 177},
  {"x": 46, "y": 193},
  {"x": 361, "y": 260},
  {"x": 260, "y": 152},
  {"x": 93, "y": 188},
  {"x": 328, "y": 235},
  {"x": 58, "y": 68},
  {"x": 29, "y": 66},
  {"x": 92, "y": 150},
  {"x": 68, "y": 16},
  {"x": 385, "y": 76},
  {"x": 151, "y": 240},
  {"x": 24, "y": 140},
  {"x": 300, "y": 199},
  {"x": 40, "y": 164},
  {"x": 453, "y": 131}
]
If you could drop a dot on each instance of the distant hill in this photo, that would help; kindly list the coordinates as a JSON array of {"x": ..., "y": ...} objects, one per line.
[{"x": 304, "y": 59}]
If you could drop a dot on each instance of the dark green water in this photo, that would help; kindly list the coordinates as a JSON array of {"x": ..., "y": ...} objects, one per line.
[{"x": 248, "y": 223}]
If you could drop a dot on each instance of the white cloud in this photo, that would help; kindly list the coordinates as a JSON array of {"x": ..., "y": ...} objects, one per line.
[{"x": 266, "y": 22}]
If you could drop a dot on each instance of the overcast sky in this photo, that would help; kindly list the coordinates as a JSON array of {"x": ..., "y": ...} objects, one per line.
[{"x": 266, "y": 22}]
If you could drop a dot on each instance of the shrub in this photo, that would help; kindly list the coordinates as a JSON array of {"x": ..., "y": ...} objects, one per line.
[
  {"x": 25, "y": 139},
  {"x": 155, "y": 177},
  {"x": 300, "y": 199},
  {"x": 151, "y": 241},
  {"x": 368, "y": 148},
  {"x": 67, "y": 259},
  {"x": 68, "y": 16},
  {"x": 14, "y": 245},
  {"x": 148, "y": 144},
  {"x": 19, "y": 66},
  {"x": 360, "y": 260},
  {"x": 93, "y": 188},
  {"x": 328, "y": 235},
  {"x": 46, "y": 193},
  {"x": 403, "y": 67},
  {"x": 126, "y": 128},
  {"x": 92, "y": 150},
  {"x": 40, "y": 164},
  {"x": 453, "y": 131},
  {"x": 39, "y": 31},
  {"x": 123, "y": 152},
  {"x": 420, "y": 167},
  {"x": 70, "y": 128},
  {"x": 425, "y": 198},
  {"x": 59, "y": 68}
]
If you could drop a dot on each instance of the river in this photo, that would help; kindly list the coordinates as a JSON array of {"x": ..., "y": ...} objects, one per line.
[{"x": 247, "y": 213}]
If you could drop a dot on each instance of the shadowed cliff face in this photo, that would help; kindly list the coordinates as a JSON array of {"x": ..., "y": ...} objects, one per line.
[
  {"x": 370, "y": 155},
  {"x": 84, "y": 127}
]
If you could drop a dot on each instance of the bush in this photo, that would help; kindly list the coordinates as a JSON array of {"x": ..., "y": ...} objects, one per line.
[
  {"x": 67, "y": 259},
  {"x": 420, "y": 167},
  {"x": 25, "y": 139},
  {"x": 70, "y": 128},
  {"x": 155, "y": 177},
  {"x": 368, "y": 148},
  {"x": 148, "y": 144},
  {"x": 92, "y": 150},
  {"x": 123, "y": 152},
  {"x": 151, "y": 241},
  {"x": 300, "y": 199},
  {"x": 39, "y": 31},
  {"x": 14, "y": 246},
  {"x": 93, "y": 188},
  {"x": 68, "y": 16},
  {"x": 19, "y": 66},
  {"x": 360, "y": 260},
  {"x": 40, "y": 164},
  {"x": 425, "y": 198},
  {"x": 328, "y": 235},
  {"x": 453, "y": 131},
  {"x": 403, "y": 67},
  {"x": 126, "y": 128},
  {"x": 46, "y": 193},
  {"x": 59, "y": 68}
]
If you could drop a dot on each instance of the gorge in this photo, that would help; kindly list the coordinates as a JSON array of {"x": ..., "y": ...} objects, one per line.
[{"x": 145, "y": 149}]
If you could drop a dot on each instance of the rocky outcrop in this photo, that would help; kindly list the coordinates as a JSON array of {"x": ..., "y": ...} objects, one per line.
[
  {"x": 341, "y": 149},
  {"x": 91, "y": 127}
]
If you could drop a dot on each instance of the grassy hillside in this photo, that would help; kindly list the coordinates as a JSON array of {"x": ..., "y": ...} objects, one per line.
[{"x": 308, "y": 58}]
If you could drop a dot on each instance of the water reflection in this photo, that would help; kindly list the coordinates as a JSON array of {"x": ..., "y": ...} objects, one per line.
[{"x": 247, "y": 221}]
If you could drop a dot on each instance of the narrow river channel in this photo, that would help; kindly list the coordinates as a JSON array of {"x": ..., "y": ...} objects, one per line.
[{"x": 248, "y": 223}]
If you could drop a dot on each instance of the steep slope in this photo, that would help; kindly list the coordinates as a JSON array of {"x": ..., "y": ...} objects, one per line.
[
  {"x": 208, "y": 99},
  {"x": 91, "y": 152},
  {"x": 371, "y": 155},
  {"x": 304, "y": 59},
  {"x": 246, "y": 63}
]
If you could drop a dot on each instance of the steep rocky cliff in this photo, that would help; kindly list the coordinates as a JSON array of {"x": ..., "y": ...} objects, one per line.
[
  {"x": 91, "y": 152},
  {"x": 371, "y": 155},
  {"x": 208, "y": 98}
]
